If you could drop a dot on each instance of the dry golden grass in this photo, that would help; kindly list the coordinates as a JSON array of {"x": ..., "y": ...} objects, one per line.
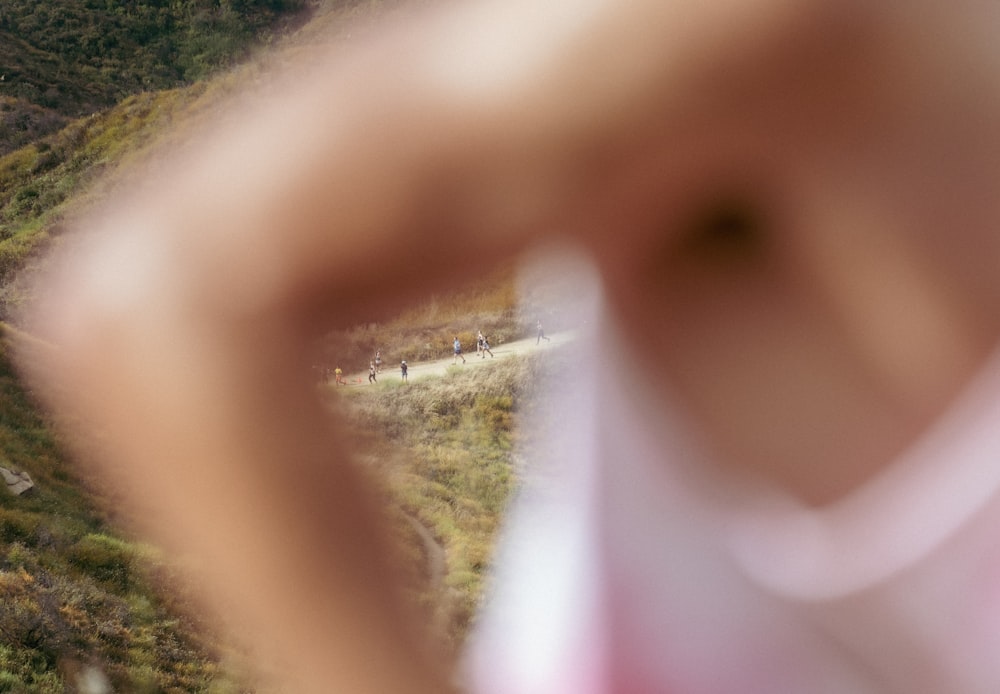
[{"x": 443, "y": 448}]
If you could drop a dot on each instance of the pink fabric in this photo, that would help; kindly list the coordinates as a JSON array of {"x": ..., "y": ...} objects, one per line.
[{"x": 625, "y": 569}]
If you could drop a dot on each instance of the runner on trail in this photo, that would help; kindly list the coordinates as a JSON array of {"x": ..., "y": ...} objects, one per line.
[
  {"x": 541, "y": 334},
  {"x": 486, "y": 346},
  {"x": 378, "y": 361},
  {"x": 458, "y": 351},
  {"x": 479, "y": 345},
  {"x": 338, "y": 375},
  {"x": 403, "y": 370},
  {"x": 371, "y": 372}
]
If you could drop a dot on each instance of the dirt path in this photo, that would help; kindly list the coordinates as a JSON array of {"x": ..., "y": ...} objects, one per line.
[
  {"x": 438, "y": 367},
  {"x": 433, "y": 551}
]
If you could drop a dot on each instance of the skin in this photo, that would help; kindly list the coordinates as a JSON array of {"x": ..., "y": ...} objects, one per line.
[{"x": 805, "y": 189}]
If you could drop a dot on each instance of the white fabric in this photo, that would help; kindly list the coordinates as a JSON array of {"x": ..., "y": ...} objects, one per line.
[{"x": 623, "y": 569}]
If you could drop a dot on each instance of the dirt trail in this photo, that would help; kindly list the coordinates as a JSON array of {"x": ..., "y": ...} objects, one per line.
[
  {"x": 438, "y": 367},
  {"x": 436, "y": 559}
]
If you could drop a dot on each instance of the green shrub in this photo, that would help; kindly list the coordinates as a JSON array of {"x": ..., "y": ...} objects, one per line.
[
  {"x": 9, "y": 682},
  {"x": 19, "y": 526},
  {"x": 496, "y": 413},
  {"x": 20, "y": 556},
  {"x": 107, "y": 559}
]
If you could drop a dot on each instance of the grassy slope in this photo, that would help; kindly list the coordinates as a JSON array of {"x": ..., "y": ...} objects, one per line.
[
  {"x": 445, "y": 450},
  {"x": 74, "y": 57}
]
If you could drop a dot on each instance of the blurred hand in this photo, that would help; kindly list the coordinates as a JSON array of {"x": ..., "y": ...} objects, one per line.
[{"x": 791, "y": 204}]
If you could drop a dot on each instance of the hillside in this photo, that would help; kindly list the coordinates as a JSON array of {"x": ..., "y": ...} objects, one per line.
[
  {"x": 66, "y": 58},
  {"x": 446, "y": 450}
]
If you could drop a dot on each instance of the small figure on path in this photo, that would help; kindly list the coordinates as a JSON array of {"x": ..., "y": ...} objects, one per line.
[
  {"x": 486, "y": 346},
  {"x": 403, "y": 369},
  {"x": 541, "y": 334},
  {"x": 479, "y": 345},
  {"x": 338, "y": 377},
  {"x": 378, "y": 361},
  {"x": 458, "y": 351},
  {"x": 371, "y": 372}
]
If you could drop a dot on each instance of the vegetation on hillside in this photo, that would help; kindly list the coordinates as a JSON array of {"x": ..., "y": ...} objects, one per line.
[
  {"x": 71, "y": 57},
  {"x": 445, "y": 447}
]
